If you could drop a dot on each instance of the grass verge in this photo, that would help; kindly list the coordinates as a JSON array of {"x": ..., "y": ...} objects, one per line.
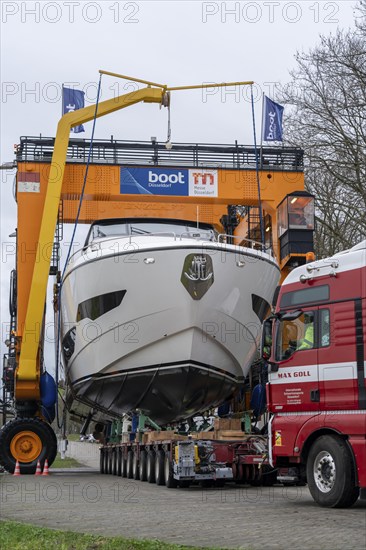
[
  {"x": 66, "y": 463},
  {"x": 20, "y": 536}
]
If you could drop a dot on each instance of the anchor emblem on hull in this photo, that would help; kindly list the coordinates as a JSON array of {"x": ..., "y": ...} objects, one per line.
[
  {"x": 197, "y": 275},
  {"x": 198, "y": 270}
]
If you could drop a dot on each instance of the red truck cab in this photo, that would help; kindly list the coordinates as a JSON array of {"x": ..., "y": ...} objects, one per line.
[{"x": 317, "y": 376}]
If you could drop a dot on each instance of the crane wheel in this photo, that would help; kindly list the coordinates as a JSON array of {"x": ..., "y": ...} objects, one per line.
[{"x": 27, "y": 440}]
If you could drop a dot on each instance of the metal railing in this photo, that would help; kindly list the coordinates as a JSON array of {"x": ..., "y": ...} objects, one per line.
[
  {"x": 222, "y": 238},
  {"x": 153, "y": 153}
]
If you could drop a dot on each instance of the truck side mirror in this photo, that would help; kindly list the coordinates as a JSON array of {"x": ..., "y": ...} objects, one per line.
[{"x": 266, "y": 340}]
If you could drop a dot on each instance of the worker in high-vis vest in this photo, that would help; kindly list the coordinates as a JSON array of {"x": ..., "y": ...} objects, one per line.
[{"x": 308, "y": 341}]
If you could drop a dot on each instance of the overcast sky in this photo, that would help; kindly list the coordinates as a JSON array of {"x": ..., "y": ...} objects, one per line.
[{"x": 45, "y": 44}]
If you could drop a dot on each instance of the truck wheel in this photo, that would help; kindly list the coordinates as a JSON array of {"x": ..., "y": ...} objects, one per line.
[
  {"x": 119, "y": 462},
  {"x": 135, "y": 467},
  {"x": 150, "y": 467},
  {"x": 170, "y": 481},
  {"x": 130, "y": 464},
  {"x": 143, "y": 465},
  {"x": 330, "y": 473},
  {"x": 159, "y": 467},
  {"x": 27, "y": 440}
]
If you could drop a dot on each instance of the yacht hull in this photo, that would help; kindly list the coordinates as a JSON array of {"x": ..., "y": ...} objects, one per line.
[{"x": 179, "y": 337}]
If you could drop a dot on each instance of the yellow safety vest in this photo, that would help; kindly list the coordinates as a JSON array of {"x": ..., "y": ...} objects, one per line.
[{"x": 308, "y": 341}]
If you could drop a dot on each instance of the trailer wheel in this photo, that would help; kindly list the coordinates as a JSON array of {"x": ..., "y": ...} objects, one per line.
[
  {"x": 170, "y": 481},
  {"x": 135, "y": 467},
  {"x": 119, "y": 462},
  {"x": 143, "y": 466},
  {"x": 101, "y": 461},
  {"x": 269, "y": 476},
  {"x": 330, "y": 473},
  {"x": 206, "y": 483},
  {"x": 109, "y": 461},
  {"x": 159, "y": 468},
  {"x": 105, "y": 461},
  {"x": 256, "y": 480},
  {"x": 124, "y": 464},
  {"x": 114, "y": 461},
  {"x": 130, "y": 464},
  {"x": 150, "y": 467},
  {"x": 220, "y": 483},
  {"x": 27, "y": 440},
  {"x": 184, "y": 483}
]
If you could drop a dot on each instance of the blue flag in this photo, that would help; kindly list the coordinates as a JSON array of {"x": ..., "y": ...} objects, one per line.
[
  {"x": 71, "y": 101},
  {"x": 272, "y": 120}
]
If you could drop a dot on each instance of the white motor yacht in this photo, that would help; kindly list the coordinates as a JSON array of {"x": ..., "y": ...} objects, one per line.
[{"x": 161, "y": 316}]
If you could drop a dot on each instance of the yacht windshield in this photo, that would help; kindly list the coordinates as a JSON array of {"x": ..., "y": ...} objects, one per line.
[{"x": 104, "y": 230}]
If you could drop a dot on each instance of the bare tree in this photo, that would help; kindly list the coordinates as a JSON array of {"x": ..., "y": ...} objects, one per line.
[{"x": 328, "y": 119}]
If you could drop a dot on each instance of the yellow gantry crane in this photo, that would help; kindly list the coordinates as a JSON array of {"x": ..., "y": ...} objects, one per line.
[{"x": 273, "y": 190}]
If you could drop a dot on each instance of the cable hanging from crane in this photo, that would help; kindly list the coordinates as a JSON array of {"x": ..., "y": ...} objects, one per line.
[{"x": 168, "y": 143}]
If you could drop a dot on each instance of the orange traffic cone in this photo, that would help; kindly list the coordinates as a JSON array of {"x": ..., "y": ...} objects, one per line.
[
  {"x": 38, "y": 469},
  {"x": 17, "y": 469},
  {"x": 45, "y": 468}
]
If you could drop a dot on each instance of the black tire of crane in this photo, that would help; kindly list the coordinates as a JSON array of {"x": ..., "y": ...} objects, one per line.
[
  {"x": 170, "y": 481},
  {"x": 135, "y": 467},
  {"x": 119, "y": 462},
  {"x": 159, "y": 467},
  {"x": 41, "y": 429},
  {"x": 130, "y": 464},
  {"x": 150, "y": 467},
  {"x": 143, "y": 466}
]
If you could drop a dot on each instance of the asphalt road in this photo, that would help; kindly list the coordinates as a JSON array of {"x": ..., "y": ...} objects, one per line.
[{"x": 233, "y": 517}]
